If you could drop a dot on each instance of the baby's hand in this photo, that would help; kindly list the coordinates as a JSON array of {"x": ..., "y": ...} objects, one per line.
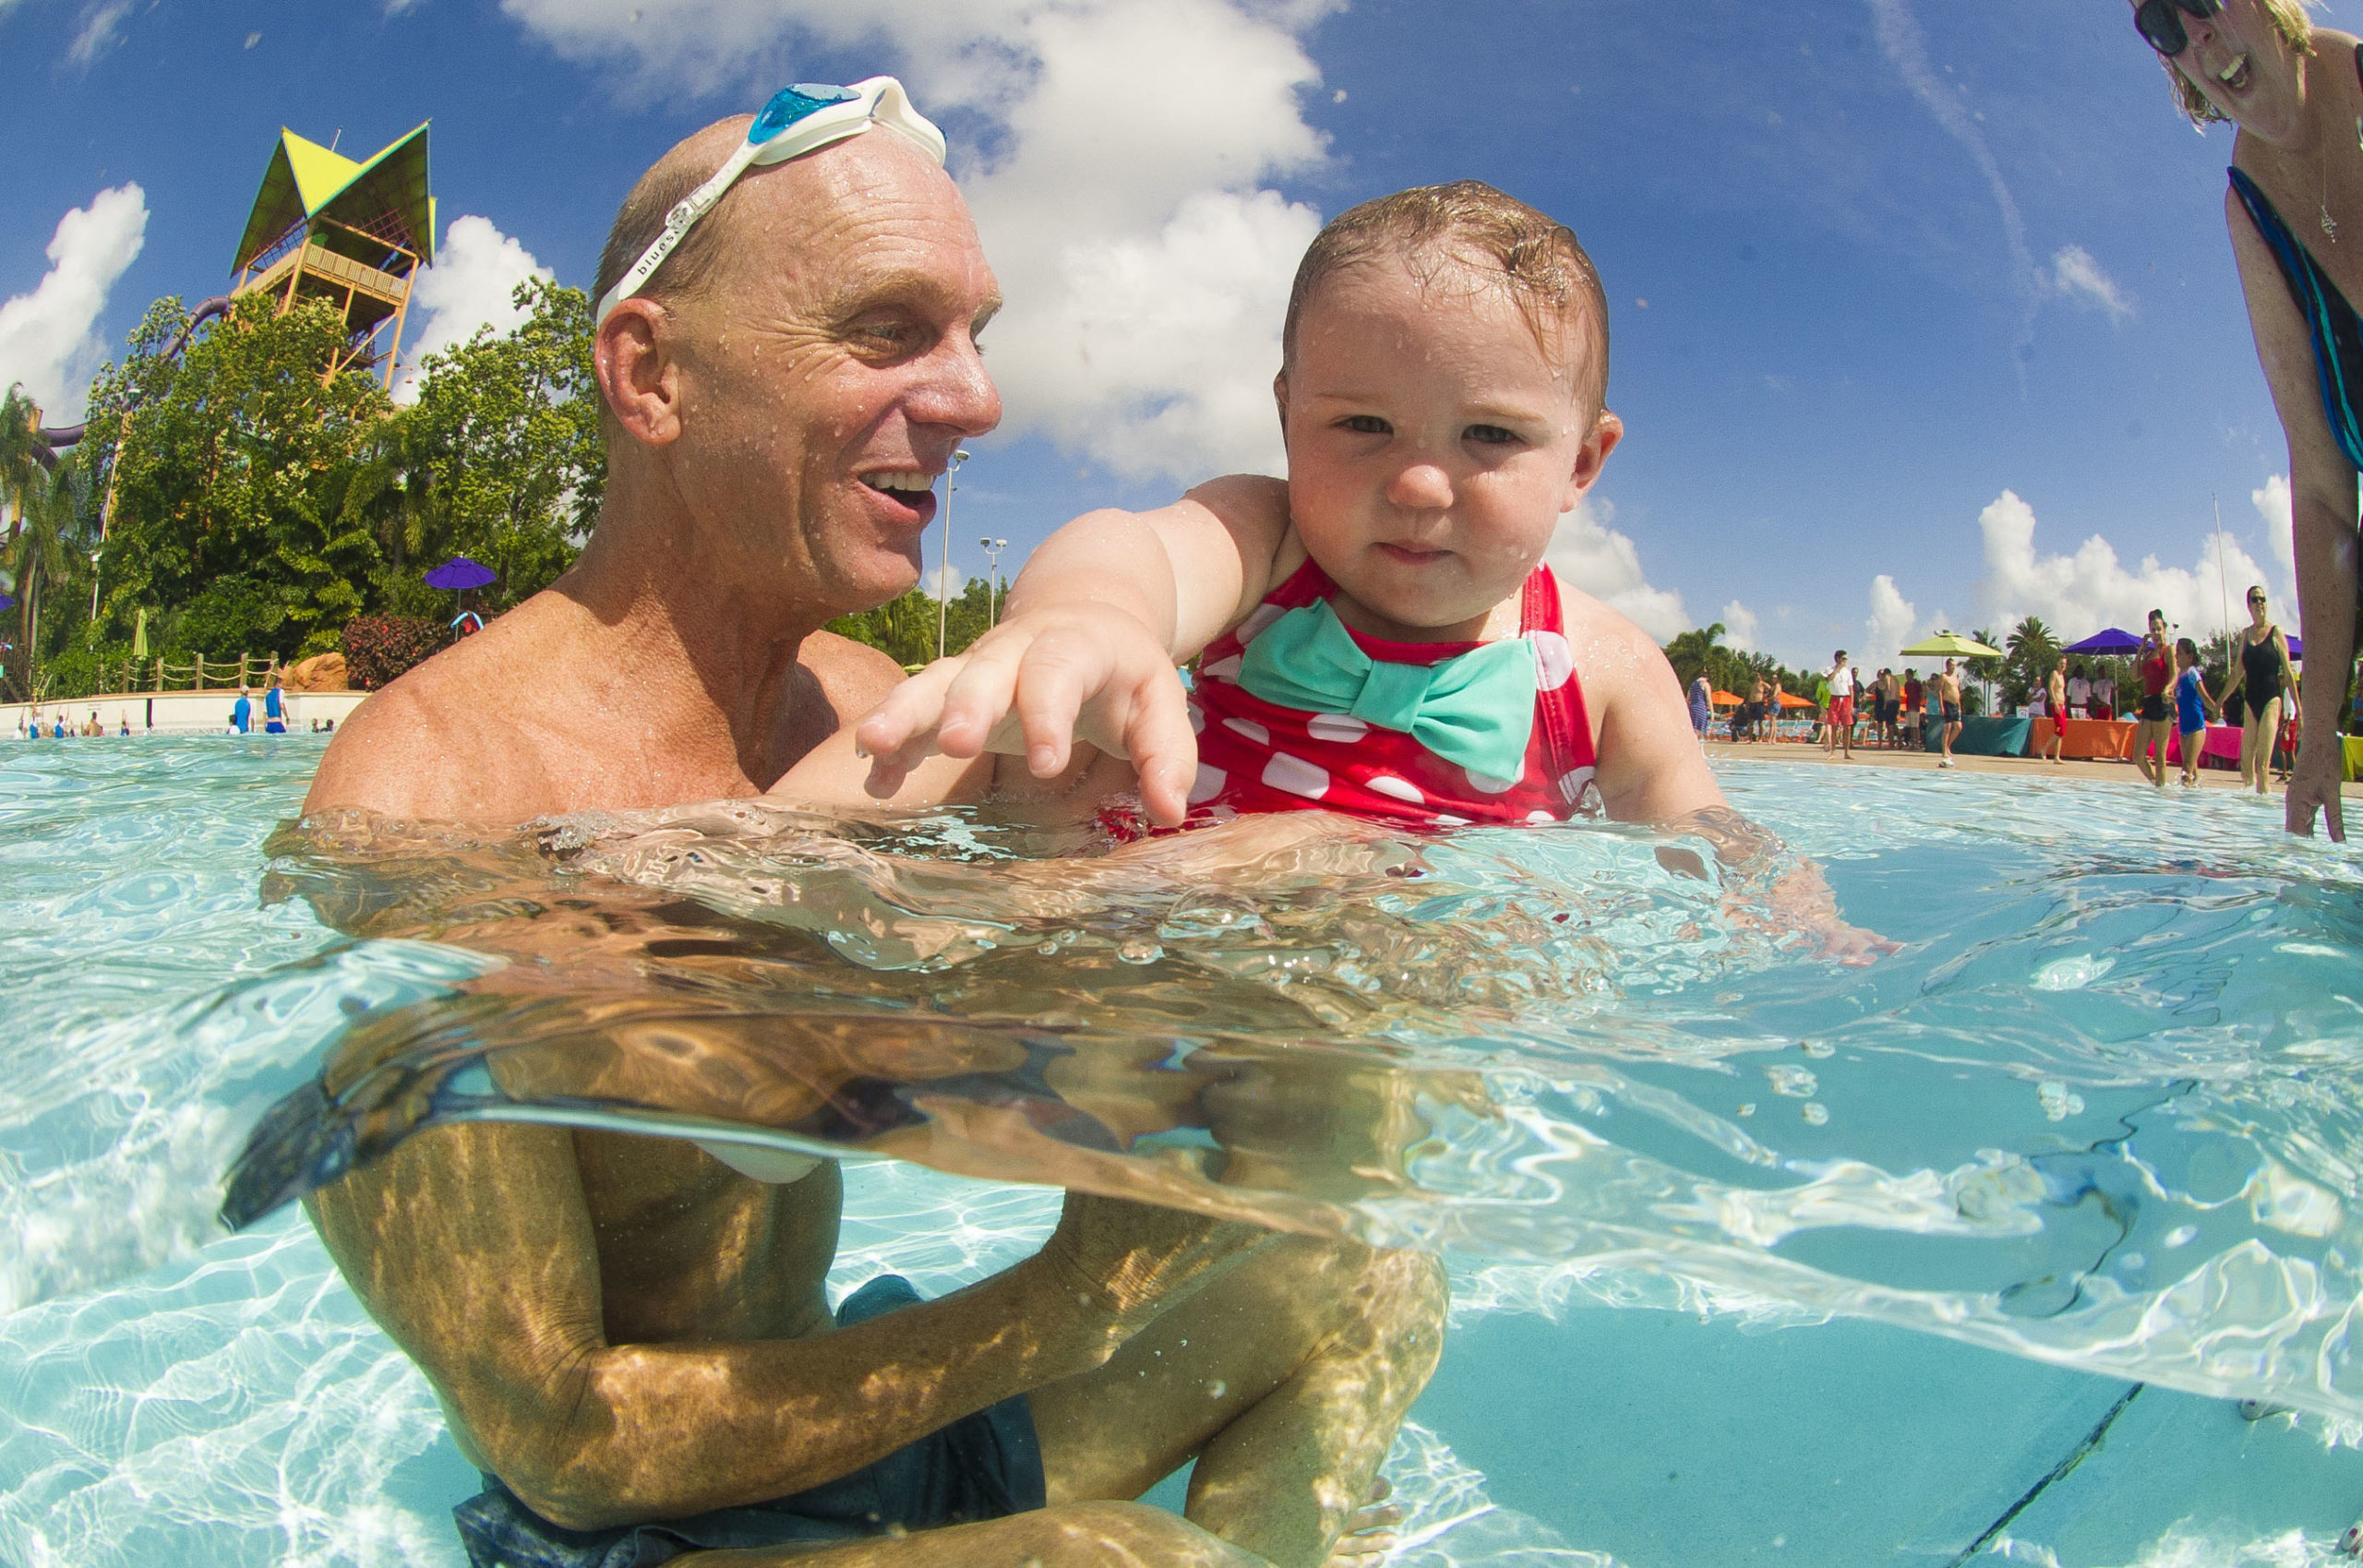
[{"x": 1034, "y": 685}]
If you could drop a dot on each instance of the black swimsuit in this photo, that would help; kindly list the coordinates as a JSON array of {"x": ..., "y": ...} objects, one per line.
[{"x": 2260, "y": 674}]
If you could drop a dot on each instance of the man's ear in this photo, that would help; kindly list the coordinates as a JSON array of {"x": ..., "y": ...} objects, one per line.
[
  {"x": 636, "y": 373},
  {"x": 1280, "y": 396},
  {"x": 1607, "y": 430}
]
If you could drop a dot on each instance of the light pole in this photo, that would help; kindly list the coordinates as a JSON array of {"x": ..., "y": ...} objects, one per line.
[
  {"x": 992, "y": 548},
  {"x": 943, "y": 572}
]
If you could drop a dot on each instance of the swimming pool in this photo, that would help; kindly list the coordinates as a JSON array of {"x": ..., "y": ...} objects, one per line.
[{"x": 1755, "y": 1259}]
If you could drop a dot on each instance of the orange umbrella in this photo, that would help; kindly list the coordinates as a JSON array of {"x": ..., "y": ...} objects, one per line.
[
  {"x": 1790, "y": 700},
  {"x": 1722, "y": 699}
]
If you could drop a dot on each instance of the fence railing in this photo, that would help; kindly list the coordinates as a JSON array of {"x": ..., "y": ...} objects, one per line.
[{"x": 194, "y": 673}]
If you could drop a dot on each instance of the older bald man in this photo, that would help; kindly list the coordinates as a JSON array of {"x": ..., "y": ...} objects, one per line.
[{"x": 629, "y": 1337}]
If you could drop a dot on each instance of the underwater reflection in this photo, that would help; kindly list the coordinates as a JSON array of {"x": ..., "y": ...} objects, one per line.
[{"x": 1567, "y": 1051}]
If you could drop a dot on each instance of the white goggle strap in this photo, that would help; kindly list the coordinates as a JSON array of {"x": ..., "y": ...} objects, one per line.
[
  {"x": 677, "y": 223},
  {"x": 879, "y": 101}
]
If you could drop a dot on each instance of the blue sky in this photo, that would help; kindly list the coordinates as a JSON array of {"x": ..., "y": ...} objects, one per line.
[{"x": 1937, "y": 296}]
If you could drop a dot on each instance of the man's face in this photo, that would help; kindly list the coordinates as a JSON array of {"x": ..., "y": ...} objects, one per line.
[{"x": 831, "y": 369}]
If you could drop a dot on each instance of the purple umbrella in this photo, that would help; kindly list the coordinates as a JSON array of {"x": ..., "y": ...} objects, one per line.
[
  {"x": 459, "y": 573},
  {"x": 8, "y": 601},
  {"x": 2110, "y": 641},
  {"x": 2296, "y": 644}
]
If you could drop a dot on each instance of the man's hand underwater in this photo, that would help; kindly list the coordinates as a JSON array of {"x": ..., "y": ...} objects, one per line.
[{"x": 1031, "y": 686}]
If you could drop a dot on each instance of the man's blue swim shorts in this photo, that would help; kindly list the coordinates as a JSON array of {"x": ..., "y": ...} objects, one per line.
[{"x": 987, "y": 1466}]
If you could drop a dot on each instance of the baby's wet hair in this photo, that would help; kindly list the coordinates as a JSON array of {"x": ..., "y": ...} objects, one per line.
[{"x": 1469, "y": 223}]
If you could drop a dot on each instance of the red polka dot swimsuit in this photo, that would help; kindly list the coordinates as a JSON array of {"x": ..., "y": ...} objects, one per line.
[{"x": 1255, "y": 756}]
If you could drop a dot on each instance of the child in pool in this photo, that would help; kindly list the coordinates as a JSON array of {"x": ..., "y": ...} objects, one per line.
[{"x": 1379, "y": 635}]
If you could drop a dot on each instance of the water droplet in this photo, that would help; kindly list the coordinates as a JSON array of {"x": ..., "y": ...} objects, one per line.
[
  {"x": 1748, "y": 1110},
  {"x": 1140, "y": 950},
  {"x": 1216, "y": 1389},
  {"x": 1818, "y": 1048},
  {"x": 2057, "y": 1104},
  {"x": 1816, "y": 1113},
  {"x": 1797, "y": 1083}
]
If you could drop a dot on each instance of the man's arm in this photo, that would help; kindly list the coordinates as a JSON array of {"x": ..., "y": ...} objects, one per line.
[
  {"x": 1098, "y": 620},
  {"x": 473, "y": 1247}
]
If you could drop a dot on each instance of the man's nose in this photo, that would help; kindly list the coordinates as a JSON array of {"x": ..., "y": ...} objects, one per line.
[
  {"x": 1421, "y": 486},
  {"x": 956, "y": 390}
]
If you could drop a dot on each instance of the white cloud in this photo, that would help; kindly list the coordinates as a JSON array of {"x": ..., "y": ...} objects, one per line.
[
  {"x": 1894, "y": 621},
  {"x": 49, "y": 337},
  {"x": 471, "y": 285},
  {"x": 101, "y": 30},
  {"x": 1591, "y": 556},
  {"x": 1742, "y": 627},
  {"x": 1120, "y": 196},
  {"x": 2272, "y": 503},
  {"x": 2076, "y": 276},
  {"x": 2080, "y": 593}
]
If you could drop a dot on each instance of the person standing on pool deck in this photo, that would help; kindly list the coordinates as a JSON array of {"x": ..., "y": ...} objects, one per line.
[
  {"x": 2192, "y": 703},
  {"x": 1949, "y": 710},
  {"x": 2294, "y": 210},
  {"x": 2259, "y": 673},
  {"x": 1916, "y": 698},
  {"x": 1840, "y": 679},
  {"x": 2154, "y": 662},
  {"x": 2055, "y": 707},
  {"x": 1702, "y": 710},
  {"x": 631, "y": 1336}
]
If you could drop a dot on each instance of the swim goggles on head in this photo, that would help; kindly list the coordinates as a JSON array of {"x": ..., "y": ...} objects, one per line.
[
  {"x": 797, "y": 120},
  {"x": 2156, "y": 21}
]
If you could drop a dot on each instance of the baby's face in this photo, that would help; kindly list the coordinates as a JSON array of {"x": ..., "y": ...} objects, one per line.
[{"x": 1432, "y": 446}]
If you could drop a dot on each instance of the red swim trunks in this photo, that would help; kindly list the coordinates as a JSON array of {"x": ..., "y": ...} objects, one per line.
[
  {"x": 1841, "y": 711},
  {"x": 1255, "y": 756}
]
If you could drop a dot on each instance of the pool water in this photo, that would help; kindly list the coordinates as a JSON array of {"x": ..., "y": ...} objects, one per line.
[{"x": 1756, "y": 1259}]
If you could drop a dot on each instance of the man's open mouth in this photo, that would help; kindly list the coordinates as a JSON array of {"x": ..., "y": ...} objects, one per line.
[
  {"x": 902, "y": 486},
  {"x": 2234, "y": 76}
]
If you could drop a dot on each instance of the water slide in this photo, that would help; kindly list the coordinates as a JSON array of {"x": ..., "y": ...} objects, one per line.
[{"x": 55, "y": 439}]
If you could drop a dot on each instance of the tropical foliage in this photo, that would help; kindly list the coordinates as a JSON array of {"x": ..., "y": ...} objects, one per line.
[
  {"x": 1729, "y": 669},
  {"x": 905, "y": 628},
  {"x": 250, "y": 504}
]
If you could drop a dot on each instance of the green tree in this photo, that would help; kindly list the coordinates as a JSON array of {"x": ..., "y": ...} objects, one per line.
[
  {"x": 500, "y": 459},
  {"x": 21, "y": 448},
  {"x": 1692, "y": 652},
  {"x": 2034, "y": 649},
  {"x": 43, "y": 556},
  {"x": 905, "y": 628},
  {"x": 239, "y": 462}
]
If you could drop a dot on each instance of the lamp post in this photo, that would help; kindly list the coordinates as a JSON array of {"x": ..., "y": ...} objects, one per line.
[
  {"x": 943, "y": 572},
  {"x": 992, "y": 548}
]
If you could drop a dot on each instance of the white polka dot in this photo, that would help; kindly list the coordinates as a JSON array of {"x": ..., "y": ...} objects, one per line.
[
  {"x": 1221, "y": 669},
  {"x": 1540, "y": 816},
  {"x": 1249, "y": 728},
  {"x": 1446, "y": 819},
  {"x": 1486, "y": 784},
  {"x": 1296, "y": 775},
  {"x": 1207, "y": 785},
  {"x": 1253, "y": 627},
  {"x": 1197, "y": 719},
  {"x": 1396, "y": 789},
  {"x": 1572, "y": 785},
  {"x": 1553, "y": 660},
  {"x": 1344, "y": 728}
]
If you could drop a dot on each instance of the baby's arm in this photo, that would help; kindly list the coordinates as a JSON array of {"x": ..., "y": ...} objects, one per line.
[
  {"x": 1097, "y": 621},
  {"x": 1652, "y": 770}
]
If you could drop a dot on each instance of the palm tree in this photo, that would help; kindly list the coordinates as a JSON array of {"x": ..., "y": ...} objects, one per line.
[
  {"x": 51, "y": 514},
  {"x": 21, "y": 454},
  {"x": 1694, "y": 650},
  {"x": 2033, "y": 648}
]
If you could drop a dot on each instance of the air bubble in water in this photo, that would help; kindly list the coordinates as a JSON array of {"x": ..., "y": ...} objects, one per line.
[
  {"x": 1816, "y": 1113},
  {"x": 1818, "y": 1048},
  {"x": 1140, "y": 950},
  {"x": 2072, "y": 973},
  {"x": 2056, "y": 1102},
  {"x": 1797, "y": 1083}
]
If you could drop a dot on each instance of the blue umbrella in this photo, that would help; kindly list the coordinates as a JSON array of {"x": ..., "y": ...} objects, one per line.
[
  {"x": 8, "y": 601},
  {"x": 2110, "y": 641},
  {"x": 459, "y": 573}
]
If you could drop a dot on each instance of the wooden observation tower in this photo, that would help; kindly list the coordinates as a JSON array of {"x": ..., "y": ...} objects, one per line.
[{"x": 353, "y": 235}]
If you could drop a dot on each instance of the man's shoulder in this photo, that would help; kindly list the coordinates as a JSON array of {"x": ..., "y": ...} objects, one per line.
[{"x": 423, "y": 748}]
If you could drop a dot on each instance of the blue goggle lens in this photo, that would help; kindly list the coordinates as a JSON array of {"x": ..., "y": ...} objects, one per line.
[{"x": 790, "y": 104}]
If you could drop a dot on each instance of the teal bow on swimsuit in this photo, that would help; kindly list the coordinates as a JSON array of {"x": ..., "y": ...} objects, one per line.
[{"x": 1476, "y": 709}]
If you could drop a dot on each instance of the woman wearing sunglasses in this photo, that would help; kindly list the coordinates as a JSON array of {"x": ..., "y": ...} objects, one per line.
[
  {"x": 2252, "y": 694},
  {"x": 2296, "y": 210}
]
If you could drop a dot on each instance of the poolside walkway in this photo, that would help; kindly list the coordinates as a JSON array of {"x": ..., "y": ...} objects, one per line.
[{"x": 2020, "y": 767}]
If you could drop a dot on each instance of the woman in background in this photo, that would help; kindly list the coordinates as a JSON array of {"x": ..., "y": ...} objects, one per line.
[{"x": 2261, "y": 672}]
